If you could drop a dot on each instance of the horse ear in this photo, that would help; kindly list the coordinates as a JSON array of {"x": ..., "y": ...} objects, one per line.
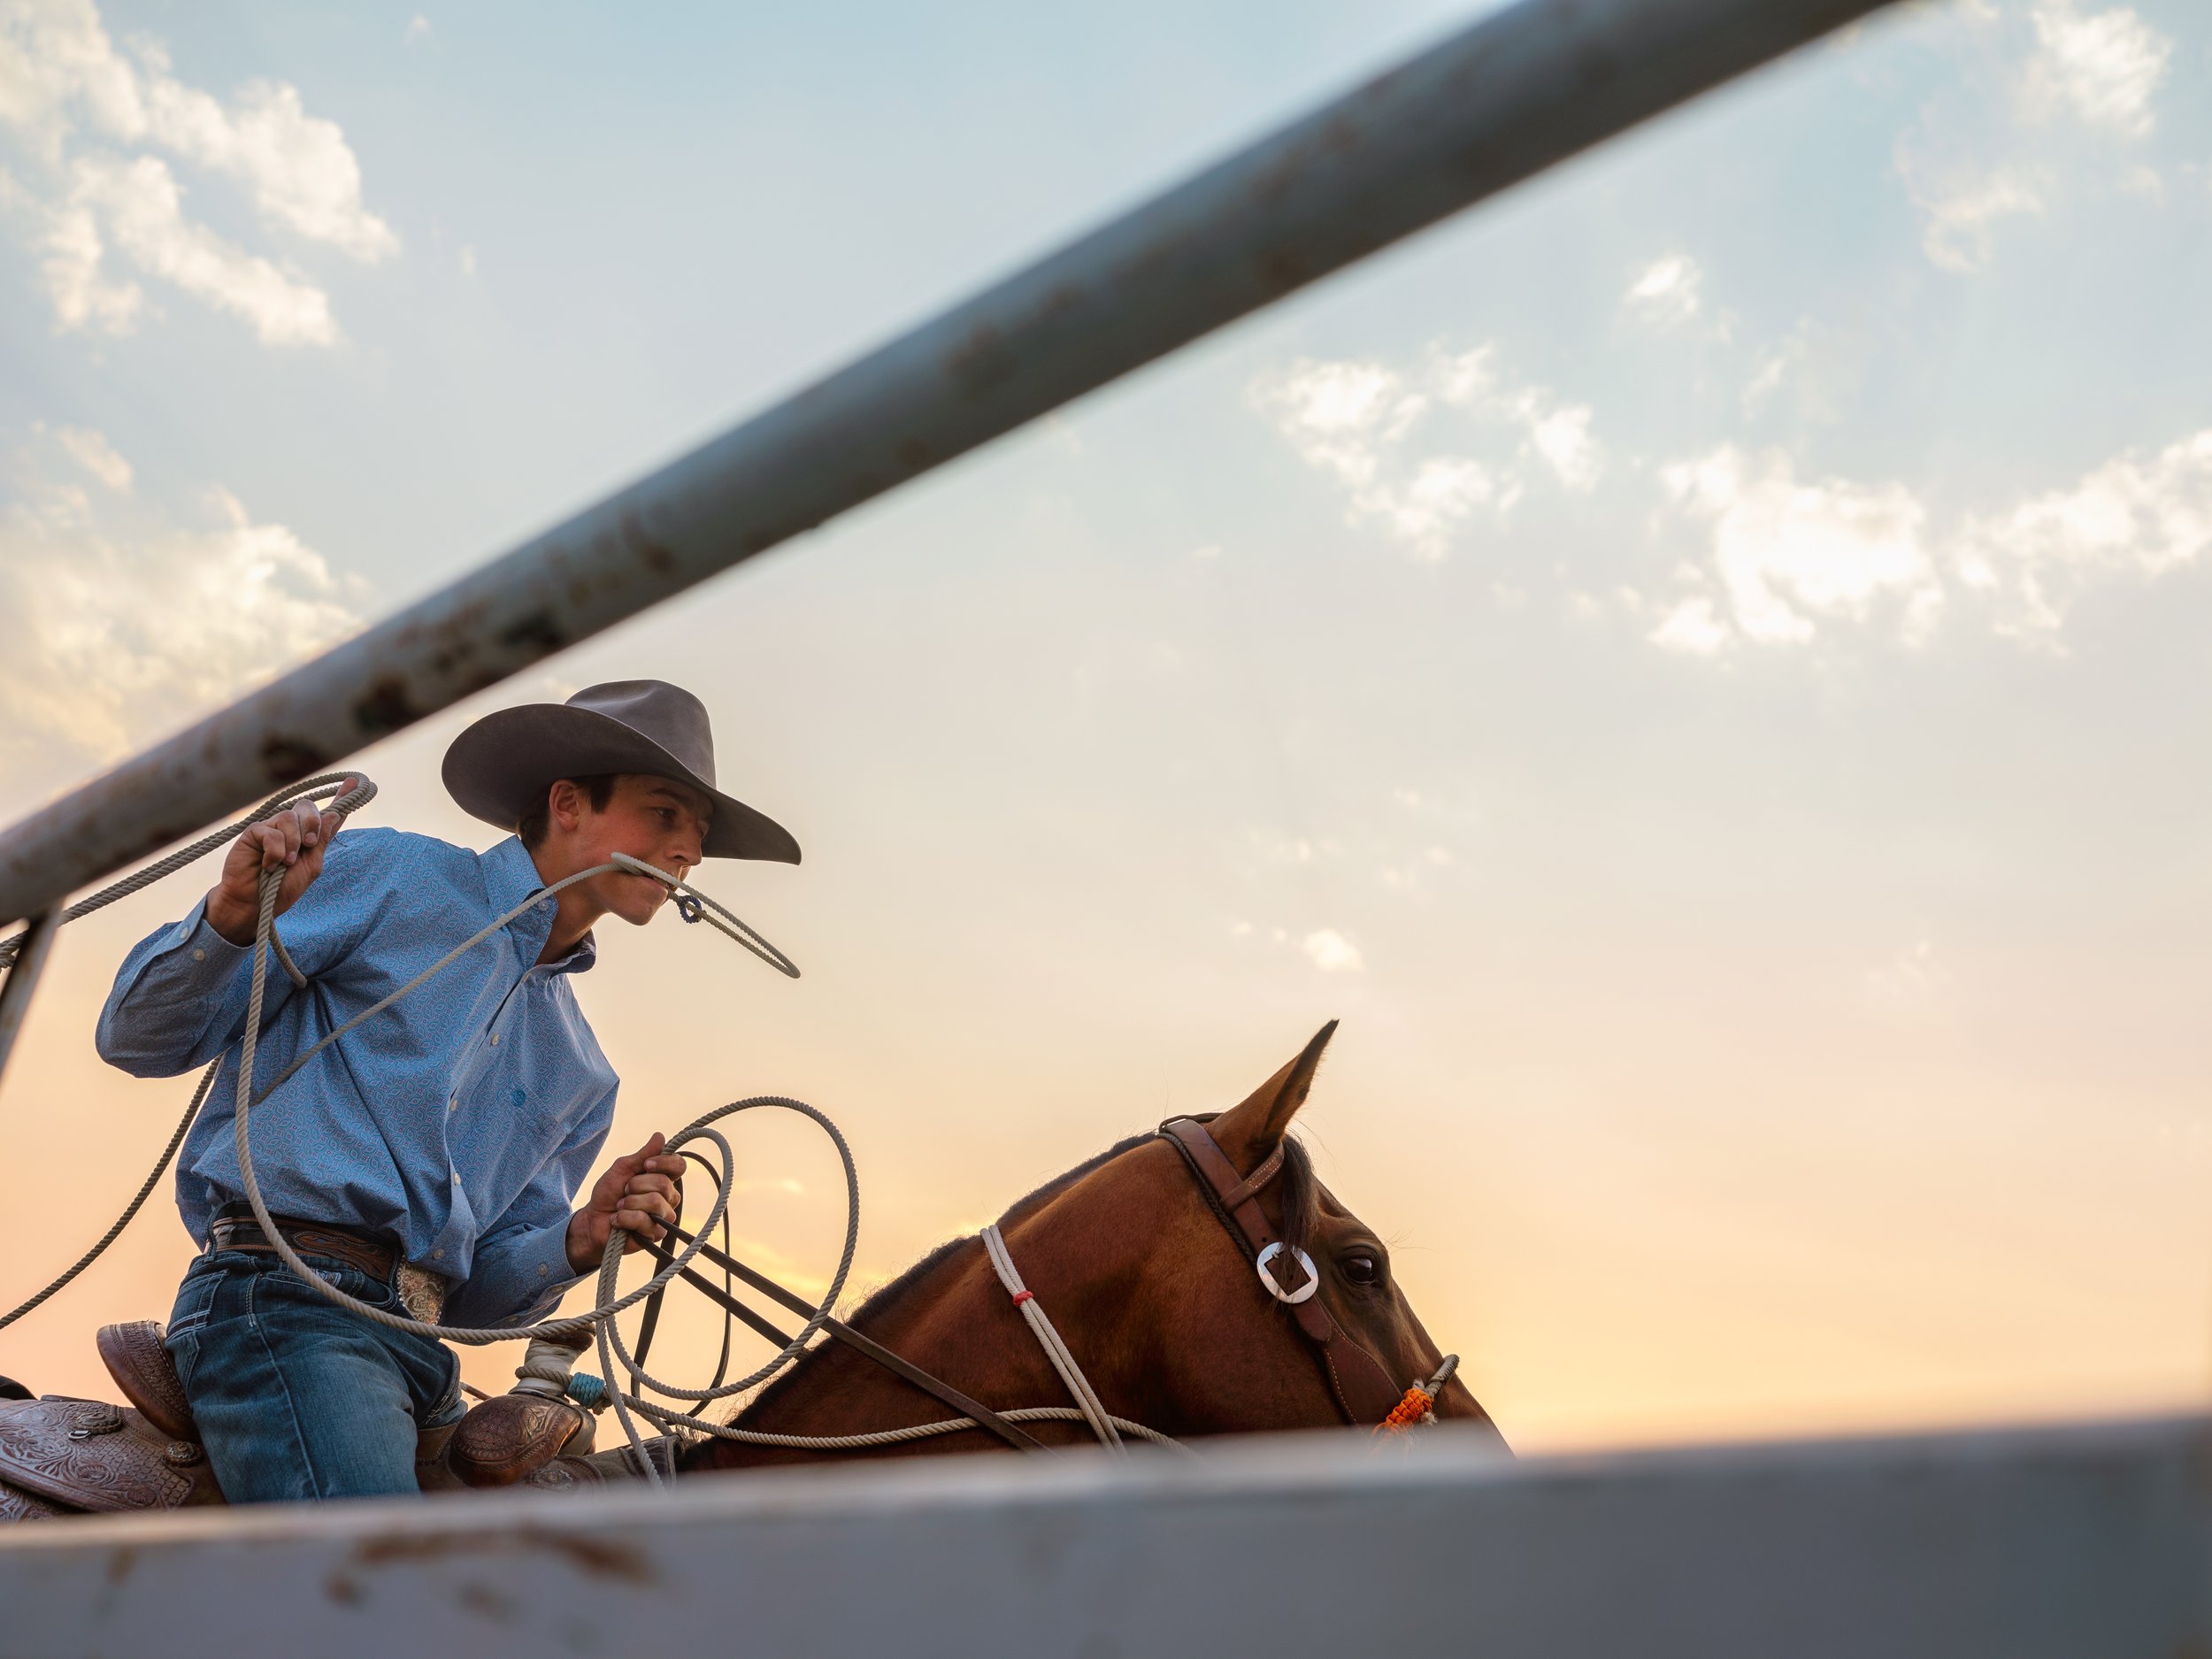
[{"x": 1250, "y": 1130}]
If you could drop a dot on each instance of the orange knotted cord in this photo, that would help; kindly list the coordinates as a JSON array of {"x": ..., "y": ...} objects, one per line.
[{"x": 1412, "y": 1410}]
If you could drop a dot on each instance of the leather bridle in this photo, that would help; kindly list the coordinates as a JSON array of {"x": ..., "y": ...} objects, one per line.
[{"x": 1362, "y": 1387}]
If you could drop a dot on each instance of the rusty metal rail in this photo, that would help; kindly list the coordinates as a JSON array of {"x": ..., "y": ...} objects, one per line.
[{"x": 1483, "y": 110}]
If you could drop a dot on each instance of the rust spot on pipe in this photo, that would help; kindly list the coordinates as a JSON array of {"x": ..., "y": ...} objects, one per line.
[
  {"x": 386, "y": 707},
  {"x": 287, "y": 758},
  {"x": 656, "y": 556},
  {"x": 981, "y": 359},
  {"x": 536, "y": 632}
]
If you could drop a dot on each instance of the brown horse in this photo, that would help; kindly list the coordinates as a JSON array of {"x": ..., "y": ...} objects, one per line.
[{"x": 1152, "y": 1293}]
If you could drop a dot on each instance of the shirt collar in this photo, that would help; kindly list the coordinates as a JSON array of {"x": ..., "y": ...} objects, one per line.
[{"x": 511, "y": 875}]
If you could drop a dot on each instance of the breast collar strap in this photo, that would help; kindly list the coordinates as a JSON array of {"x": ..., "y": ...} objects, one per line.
[{"x": 1367, "y": 1395}]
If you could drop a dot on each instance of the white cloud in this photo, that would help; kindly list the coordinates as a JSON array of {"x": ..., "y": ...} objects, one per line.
[
  {"x": 299, "y": 168},
  {"x": 75, "y": 102},
  {"x": 1693, "y": 627},
  {"x": 1562, "y": 438},
  {"x": 1788, "y": 555},
  {"x": 1339, "y": 416},
  {"x": 143, "y": 208},
  {"x": 1559, "y": 435},
  {"x": 1444, "y": 490},
  {"x": 2139, "y": 516},
  {"x": 417, "y": 32},
  {"x": 83, "y": 296},
  {"x": 54, "y": 54},
  {"x": 1364, "y": 424},
  {"x": 92, "y": 451},
  {"x": 1973, "y": 162},
  {"x": 2103, "y": 69},
  {"x": 1775, "y": 367},
  {"x": 1330, "y": 952},
  {"x": 1665, "y": 294},
  {"x": 1959, "y": 204},
  {"x": 126, "y": 622}
]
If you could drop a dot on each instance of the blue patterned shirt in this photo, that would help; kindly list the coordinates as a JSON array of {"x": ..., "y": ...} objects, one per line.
[{"x": 462, "y": 1121}]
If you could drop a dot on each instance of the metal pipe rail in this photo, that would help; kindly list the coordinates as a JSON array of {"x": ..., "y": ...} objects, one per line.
[
  {"x": 2088, "y": 1541},
  {"x": 1488, "y": 107}
]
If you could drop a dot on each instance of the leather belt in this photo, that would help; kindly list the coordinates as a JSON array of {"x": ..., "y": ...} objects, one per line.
[
  {"x": 422, "y": 1292},
  {"x": 373, "y": 1255}
]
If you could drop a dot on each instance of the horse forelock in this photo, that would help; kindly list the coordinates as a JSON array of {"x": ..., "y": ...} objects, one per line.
[{"x": 1298, "y": 1189}]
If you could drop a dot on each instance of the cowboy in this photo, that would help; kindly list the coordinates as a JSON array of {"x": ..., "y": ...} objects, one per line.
[{"x": 428, "y": 1161}]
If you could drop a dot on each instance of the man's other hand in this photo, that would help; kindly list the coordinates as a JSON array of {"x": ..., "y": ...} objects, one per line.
[
  {"x": 294, "y": 841},
  {"x": 637, "y": 1193}
]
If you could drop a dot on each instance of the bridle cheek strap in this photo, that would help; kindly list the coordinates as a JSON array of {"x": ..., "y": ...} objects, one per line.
[{"x": 1367, "y": 1395}]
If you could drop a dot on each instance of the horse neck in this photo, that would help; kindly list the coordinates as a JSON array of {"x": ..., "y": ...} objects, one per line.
[{"x": 954, "y": 1319}]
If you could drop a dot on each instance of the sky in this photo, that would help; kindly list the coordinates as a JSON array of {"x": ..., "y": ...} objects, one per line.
[{"x": 1698, "y": 663}]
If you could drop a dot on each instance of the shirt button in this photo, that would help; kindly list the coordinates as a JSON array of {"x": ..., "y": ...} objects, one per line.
[
  {"x": 454, "y": 1103},
  {"x": 456, "y": 1177},
  {"x": 495, "y": 1039},
  {"x": 542, "y": 1270},
  {"x": 198, "y": 955},
  {"x": 437, "y": 1255}
]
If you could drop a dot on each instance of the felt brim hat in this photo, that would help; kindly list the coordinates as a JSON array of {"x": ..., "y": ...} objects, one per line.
[{"x": 501, "y": 767}]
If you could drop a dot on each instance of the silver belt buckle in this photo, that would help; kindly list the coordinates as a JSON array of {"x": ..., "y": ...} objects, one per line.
[{"x": 422, "y": 1292}]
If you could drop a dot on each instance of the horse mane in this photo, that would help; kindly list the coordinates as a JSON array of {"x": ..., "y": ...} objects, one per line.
[{"x": 1298, "y": 1188}]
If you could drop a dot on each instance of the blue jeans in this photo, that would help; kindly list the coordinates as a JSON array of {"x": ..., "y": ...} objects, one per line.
[{"x": 296, "y": 1397}]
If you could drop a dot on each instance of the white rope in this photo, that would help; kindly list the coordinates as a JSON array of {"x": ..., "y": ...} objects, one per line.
[
  {"x": 1094, "y": 1412},
  {"x": 679, "y": 1423}
]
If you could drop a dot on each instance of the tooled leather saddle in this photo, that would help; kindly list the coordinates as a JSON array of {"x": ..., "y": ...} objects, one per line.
[{"x": 61, "y": 1455}]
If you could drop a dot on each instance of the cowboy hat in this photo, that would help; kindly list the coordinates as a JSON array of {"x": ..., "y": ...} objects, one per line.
[{"x": 501, "y": 767}]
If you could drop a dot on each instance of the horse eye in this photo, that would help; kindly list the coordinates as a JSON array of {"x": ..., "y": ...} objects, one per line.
[{"x": 1361, "y": 1270}]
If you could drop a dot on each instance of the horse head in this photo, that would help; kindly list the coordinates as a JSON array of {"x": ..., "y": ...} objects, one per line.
[
  {"x": 1223, "y": 1346},
  {"x": 1152, "y": 1287}
]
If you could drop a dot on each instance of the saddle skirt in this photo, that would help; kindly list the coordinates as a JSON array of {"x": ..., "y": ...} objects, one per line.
[{"x": 87, "y": 1456}]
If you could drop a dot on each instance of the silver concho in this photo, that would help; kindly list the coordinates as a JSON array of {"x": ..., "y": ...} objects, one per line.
[{"x": 1304, "y": 1291}]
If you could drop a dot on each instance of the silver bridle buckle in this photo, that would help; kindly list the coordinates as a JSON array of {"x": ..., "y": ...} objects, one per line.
[{"x": 1305, "y": 1291}]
